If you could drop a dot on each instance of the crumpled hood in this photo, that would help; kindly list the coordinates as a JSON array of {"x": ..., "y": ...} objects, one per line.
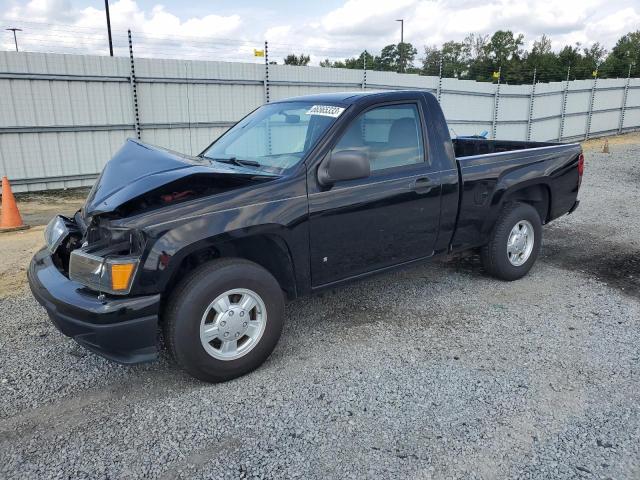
[{"x": 138, "y": 168}]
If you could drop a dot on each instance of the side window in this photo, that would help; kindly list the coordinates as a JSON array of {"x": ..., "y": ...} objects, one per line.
[{"x": 390, "y": 135}]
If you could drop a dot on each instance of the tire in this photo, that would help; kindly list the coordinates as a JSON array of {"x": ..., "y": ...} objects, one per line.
[
  {"x": 495, "y": 255},
  {"x": 185, "y": 321}
]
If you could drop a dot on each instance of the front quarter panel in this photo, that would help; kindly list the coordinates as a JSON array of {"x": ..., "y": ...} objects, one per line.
[{"x": 278, "y": 209}]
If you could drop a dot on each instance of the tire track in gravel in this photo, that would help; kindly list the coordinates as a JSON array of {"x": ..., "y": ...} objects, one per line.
[
  {"x": 72, "y": 411},
  {"x": 616, "y": 264},
  {"x": 613, "y": 263}
]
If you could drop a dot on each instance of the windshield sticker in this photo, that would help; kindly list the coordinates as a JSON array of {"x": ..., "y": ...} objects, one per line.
[{"x": 325, "y": 110}]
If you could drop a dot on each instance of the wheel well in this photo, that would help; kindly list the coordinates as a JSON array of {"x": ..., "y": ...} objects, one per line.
[
  {"x": 538, "y": 196},
  {"x": 268, "y": 251}
]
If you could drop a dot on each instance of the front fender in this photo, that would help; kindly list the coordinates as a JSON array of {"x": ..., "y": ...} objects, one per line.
[{"x": 171, "y": 242}]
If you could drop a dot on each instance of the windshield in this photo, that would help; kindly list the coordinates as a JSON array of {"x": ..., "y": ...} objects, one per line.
[{"x": 275, "y": 137}]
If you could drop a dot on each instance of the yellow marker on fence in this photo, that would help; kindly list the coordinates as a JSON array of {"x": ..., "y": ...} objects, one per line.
[
  {"x": 258, "y": 53},
  {"x": 496, "y": 75}
]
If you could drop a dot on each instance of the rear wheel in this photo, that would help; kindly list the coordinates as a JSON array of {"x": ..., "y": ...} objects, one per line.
[
  {"x": 514, "y": 244},
  {"x": 224, "y": 319}
]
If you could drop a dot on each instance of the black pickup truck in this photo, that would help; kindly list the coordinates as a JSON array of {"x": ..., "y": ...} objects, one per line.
[{"x": 300, "y": 195}]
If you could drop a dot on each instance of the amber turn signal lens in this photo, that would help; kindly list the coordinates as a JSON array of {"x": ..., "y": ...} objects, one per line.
[{"x": 120, "y": 275}]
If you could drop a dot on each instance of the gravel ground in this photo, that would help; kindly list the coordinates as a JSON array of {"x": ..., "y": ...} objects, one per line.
[{"x": 433, "y": 372}]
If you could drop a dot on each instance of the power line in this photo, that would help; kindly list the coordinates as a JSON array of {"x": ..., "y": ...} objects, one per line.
[{"x": 123, "y": 32}]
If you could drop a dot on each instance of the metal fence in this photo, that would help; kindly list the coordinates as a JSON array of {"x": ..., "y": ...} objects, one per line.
[{"x": 63, "y": 116}]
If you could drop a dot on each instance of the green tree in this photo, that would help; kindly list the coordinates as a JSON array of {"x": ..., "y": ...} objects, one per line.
[
  {"x": 480, "y": 67},
  {"x": 397, "y": 58},
  {"x": 477, "y": 57},
  {"x": 475, "y": 45},
  {"x": 329, "y": 64},
  {"x": 406, "y": 56},
  {"x": 455, "y": 59},
  {"x": 504, "y": 47},
  {"x": 503, "y": 53},
  {"x": 569, "y": 56},
  {"x": 301, "y": 60},
  {"x": 357, "y": 63},
  {"x": 588, "y": 62},
  {"x": 388, "y": 59},
  {"x": 431, "y": 61},
  {"x": 625, "y": 54},
  {"x": 544, "y": 61}
]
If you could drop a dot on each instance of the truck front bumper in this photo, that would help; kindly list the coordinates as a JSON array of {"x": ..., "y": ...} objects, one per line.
[{"x": 121, "y": 329}]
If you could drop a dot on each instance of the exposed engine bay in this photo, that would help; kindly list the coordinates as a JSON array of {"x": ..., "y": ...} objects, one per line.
[
  {"x": 96, "y": 236},
  {"x": 187, "y": 188}
]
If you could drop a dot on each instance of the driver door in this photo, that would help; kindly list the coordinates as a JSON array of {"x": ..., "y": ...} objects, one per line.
[{"x": 391, "y": 217}]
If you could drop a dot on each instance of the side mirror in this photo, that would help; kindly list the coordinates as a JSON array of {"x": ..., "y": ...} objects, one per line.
[{"x": 343, "y": 165}]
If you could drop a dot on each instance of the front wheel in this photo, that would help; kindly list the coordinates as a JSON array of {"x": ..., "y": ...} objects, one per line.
[
  {"x": 224, "y": 319},
  {"x": 514, "y": 244}
]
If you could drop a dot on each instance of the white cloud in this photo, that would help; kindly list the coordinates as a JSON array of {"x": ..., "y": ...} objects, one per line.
[
  {"x": 432, "y": 22},
  {"x": 54, "y": 25},
  {"x": 43, "y": 11},
  {"x": 365, "y": 17},
  {"x": 370, "y": 24},
  {"x": 280, "y": 33},
  {"x": 344, "y": 31}
]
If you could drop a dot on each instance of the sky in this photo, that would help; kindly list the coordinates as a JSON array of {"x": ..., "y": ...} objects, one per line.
[{"x": 231, "y": 30}]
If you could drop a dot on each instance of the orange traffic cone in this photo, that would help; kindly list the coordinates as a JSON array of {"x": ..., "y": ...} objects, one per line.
[{"x": 10, "y": 218}]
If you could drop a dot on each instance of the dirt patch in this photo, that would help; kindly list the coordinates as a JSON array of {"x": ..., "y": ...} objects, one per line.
[
  {"x": 38, "y": 208},
  {"x": 465, "y": 262},
  {"x": 615, "y": 264},
  {"x": 54, "y": 195},
  {"x": 17, "y": 249},
  {"x": 626, "y": 139}
]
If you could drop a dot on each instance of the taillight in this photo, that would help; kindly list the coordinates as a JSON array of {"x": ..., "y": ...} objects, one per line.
[
  {"x": 581, "y": 164},
  {"x": 580, "y": 168}
]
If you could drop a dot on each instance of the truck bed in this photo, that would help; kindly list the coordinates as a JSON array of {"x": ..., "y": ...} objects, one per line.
[
  {"x": 466, "y": 147},
  {"x": 488, "y": 169}
]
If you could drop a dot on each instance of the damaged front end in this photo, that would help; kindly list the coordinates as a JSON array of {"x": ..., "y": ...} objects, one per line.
[
  {"x": 92, "y": 250},
  {"x": 86, "y": 276},
  {"x": 109, "y": 264},
  {"x": 100, "y": 256},
  {"x": 142, "y": 176}
]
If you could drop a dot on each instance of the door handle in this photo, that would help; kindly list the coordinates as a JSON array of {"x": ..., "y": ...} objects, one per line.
[{"x": 422, "y": 185}]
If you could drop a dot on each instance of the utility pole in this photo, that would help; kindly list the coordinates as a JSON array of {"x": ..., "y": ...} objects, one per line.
[
  {"x": 401, "y": 46},
  {"x": 15, "y": 39},
  {"x": 106, "y": 9}
]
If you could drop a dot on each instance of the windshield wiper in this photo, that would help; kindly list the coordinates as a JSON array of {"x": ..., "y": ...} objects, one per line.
[{"x": 240, "y": 163}]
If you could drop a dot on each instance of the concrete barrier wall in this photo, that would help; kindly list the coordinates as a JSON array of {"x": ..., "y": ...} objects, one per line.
[{"x": 63, "y": 116}]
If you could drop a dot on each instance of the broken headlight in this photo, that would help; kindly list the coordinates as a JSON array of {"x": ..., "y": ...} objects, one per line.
[{"x": 110, "y": 264}]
